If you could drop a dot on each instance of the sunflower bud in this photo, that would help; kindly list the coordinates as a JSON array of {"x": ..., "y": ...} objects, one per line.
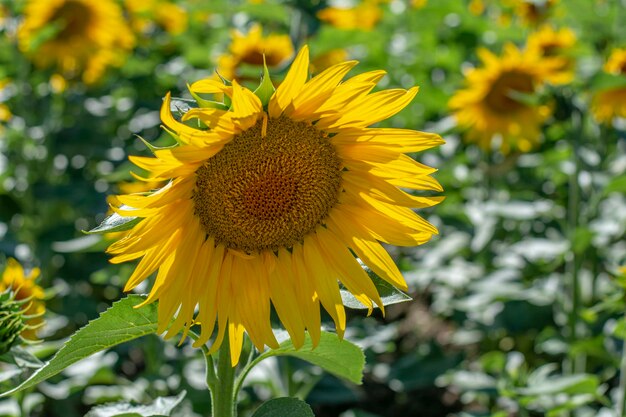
[{"x": 12, "y": 320}]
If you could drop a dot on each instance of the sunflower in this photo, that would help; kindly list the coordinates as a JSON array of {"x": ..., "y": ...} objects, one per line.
[
  {"x": 250, "y": 48},
  {"x": 533, "y": 12},
  {"x": 363, "y": 16},
  {"x": 611, "y": 102},
  {"x": 554, "y": 46},
  {"x": 492, "y": 105},
  {"x": 166, "y": 14},
  {"x": 25, "y": 288},
  {"x": 269, "y": 205},
  {"x": 78, "y": 36}
]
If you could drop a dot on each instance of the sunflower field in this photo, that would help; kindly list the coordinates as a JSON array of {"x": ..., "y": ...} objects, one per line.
[{"x": 288, "y": 208}]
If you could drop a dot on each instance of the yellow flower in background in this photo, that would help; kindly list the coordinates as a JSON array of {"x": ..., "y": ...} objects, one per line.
[
  {"x": 24, "y": 287},
  {"x": 249, "y": 49},
  {"x": 79, "y": 37},
  {"x": 5, "y": 111},
  {"x": 611, "y": 102},
  {"x": 166, "y": 14},
  {"x": 267, "y": 206},
  {"x": 363, "y": 16},
  {"x": 554, "y": 45},
  {"x": 476, "y": 7},
  {"x": 533, "y": 12},
  {"x": 327, "y": 60},
  {"x": 492, "y": 104},
  {"x": 418, "y": 4}
]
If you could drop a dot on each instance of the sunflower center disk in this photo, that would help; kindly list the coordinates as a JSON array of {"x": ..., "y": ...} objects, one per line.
[
  {"x": 501, "y": 97},
  {"x": 263, "y": 193},
  {"x": 73, "y": 18}
]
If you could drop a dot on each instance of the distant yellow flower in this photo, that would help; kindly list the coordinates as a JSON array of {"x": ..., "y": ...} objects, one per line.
[
  {"x": 5, "y": 111},
  {"x": 418, "y": 4},
  {"x": 554, "y": 46},
  {"x": 24, "y": 288},
  {"x": 490, "y": 106},
  {"x": 477, "y": 7},
  {"x": 363, "y": 16},
  {"x": 328, "y": 59},
  {"x": 270, "y": 206},
  {"x": 534, "y": 12},
  {"x": 611, "y": 102},
  {"x": 249, "y": 49},
  {"x": 164, "y": 13},
  {"x": 80, "y": 37}
]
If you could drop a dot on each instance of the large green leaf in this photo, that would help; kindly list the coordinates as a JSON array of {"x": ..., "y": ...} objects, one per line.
[
  {"x": 388, "y": 293},
  {"x": 285, "y": 406},
  {"x": 120, "y": 323},
  {"x": 339, "y": 357},
  {"x": 161, "y": 407}
]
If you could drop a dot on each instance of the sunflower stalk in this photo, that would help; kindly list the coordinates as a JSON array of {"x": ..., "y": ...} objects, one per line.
[{"x": 223, "y": 391}]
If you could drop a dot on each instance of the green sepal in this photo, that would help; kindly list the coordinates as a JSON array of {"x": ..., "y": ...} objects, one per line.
[
  {"x": 210, "y": 104},
  {"x": 153, "y": 148},
  {"x": 227, "y": 101},
  {"x": 266, "y": 89}
]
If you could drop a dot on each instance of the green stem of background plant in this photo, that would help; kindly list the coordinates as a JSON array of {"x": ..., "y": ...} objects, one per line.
[
  {"x": 572, "y": 264},
  {"x": 223, "y": 402},
  {"x": 620, "y": 403}
]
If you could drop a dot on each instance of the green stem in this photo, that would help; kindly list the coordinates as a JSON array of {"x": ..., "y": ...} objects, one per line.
[
  {"x": 223, "y": 404},
  {"x": 620, "y": 404},
  {"x": 248, "y": 368},
  {"x": 572, "y": 223}
]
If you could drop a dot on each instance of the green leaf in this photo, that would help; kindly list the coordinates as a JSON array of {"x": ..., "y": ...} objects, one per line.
[
  {"x": 162, "y": 406},
  {"x": 616, "y": 185},
  {"x": 285, "y": 406},
  {"x": 339, "y": 357},
  {"x": 120, "y": 323},
  {"x": 605, "y": 81},
  {"x": 388, "y": 293},
  {"x": 569, "y": 384},
  {"x": 115, "y": 223}
]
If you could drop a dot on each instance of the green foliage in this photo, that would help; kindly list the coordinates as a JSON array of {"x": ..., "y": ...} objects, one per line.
[
  {"x": 338, "y": 357},
  {"x": 292, "y": 407},
  {"x": 120, "y": 323},
  {"x": 516, "y": 308},
  {"x": 161, "y": 407}
]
